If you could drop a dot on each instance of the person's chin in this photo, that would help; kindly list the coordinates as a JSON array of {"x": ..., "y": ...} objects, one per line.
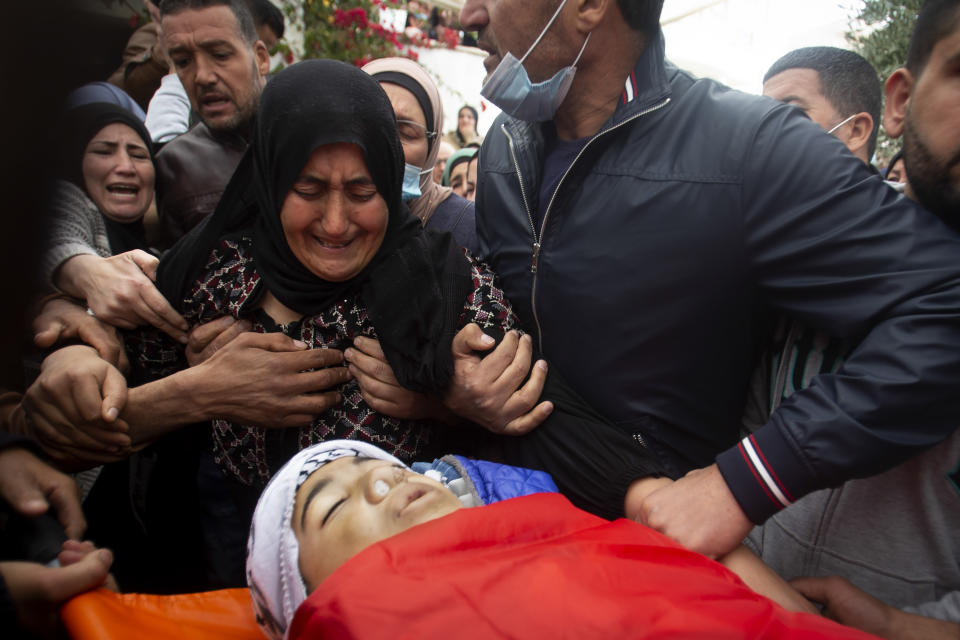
[
  {"x": 125, "y": 214},
  {"x": 220, "y": 120}
]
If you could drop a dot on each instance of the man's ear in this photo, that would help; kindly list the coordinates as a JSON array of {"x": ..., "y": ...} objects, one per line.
[
  {"x": 262, "y": 56},
  {"x": 591, "y": 13},
  {"x": 860, "y": 129},
  {"x": 897, "y": 90}
]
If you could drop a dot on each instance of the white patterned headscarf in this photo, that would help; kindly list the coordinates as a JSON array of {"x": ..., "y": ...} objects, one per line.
[{"x": 273, "y": 569}]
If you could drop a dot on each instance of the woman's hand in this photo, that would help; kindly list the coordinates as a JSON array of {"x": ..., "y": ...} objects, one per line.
[
  {"x": 120, "y": 290},
  {"x": 72, "y": 408},
  {"x": 380, "y": 388}
]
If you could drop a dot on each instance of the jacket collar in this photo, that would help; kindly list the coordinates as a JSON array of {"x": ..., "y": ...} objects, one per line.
[{"x": 648, "y": 83}]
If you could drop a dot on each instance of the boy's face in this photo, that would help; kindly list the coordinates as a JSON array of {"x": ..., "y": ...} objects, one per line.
[{"x": 354, "y": 502}]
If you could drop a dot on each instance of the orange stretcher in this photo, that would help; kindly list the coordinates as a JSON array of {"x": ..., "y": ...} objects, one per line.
[{"x": 210, "y": 615}]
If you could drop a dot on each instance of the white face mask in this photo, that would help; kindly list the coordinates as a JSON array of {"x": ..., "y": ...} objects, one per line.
[
  {"x": 842, "y": 123},
  {"x": 509, "y": 86}
]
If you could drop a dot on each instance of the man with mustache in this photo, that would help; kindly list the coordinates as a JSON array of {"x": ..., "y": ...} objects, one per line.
[{"x": 222, "y": 64}]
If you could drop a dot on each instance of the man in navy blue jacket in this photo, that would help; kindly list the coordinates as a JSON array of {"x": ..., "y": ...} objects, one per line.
[{"x": 646, "y": 224}]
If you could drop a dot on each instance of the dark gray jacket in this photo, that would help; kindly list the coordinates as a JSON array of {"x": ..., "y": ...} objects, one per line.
[{"x": 695, "y": 212}]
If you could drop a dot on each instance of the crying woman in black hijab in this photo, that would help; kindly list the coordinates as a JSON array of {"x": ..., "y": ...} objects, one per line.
[
  {"x": 96, "y": 244},
  {"x": 312, "y": 239}
]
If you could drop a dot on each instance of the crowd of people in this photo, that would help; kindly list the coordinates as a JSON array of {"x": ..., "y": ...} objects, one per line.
[{"x": 268, "y": 307}]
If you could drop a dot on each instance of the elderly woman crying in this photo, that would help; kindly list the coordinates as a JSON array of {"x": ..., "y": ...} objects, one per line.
[{"x": 312, "y": 239}]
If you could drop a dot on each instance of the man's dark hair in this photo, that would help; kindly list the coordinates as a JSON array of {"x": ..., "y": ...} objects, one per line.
[
  {"x": 240, "y": 8},
  {"x": 642, "y": 15},
  {"x": 847, "y": 81},
  {"x": 266, "y": 13},
  {"x": 937, "y": 20}
]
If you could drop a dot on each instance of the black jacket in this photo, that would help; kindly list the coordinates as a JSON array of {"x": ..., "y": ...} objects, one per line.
[{"x": 695, "y": 212}]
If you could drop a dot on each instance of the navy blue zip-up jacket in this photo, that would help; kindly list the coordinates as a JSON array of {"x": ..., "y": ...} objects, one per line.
[{"x": 695, "y": 212}]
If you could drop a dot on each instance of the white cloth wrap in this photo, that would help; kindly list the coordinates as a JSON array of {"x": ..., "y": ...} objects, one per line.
[{"x": 273, "y": 570}]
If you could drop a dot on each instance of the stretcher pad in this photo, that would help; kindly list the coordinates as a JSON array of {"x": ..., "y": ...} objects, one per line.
[{"x": 210, "y": 615}]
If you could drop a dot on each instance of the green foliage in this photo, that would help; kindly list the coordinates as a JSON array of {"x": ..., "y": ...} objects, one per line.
[{"x": 883, "y": 38}]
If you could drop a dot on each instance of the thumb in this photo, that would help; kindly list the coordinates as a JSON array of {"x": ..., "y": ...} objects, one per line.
[
  {"x": 271, "y": 342},
  {"x": 47, "y": 336},
  {"x": 146, "y": 262},
  {"x": 88, "y": 573},
  {"x": 28, "y": 499},
  {"x": 469, "y": 339},
  {"x": 114, "y": 392}
]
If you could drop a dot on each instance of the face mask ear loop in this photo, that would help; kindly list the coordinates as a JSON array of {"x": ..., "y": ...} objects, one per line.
[
  {"x": 544, "y": 32},
  {"x": 843, "y": 123},
  {"x": 424, "y": 172},
  {"x": 582, "y": 49}
]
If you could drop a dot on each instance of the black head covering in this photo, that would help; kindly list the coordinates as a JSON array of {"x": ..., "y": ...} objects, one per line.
[
  {"x": 78, "y": 127},
  {"x": 415, "y": 285},
  {"x": 300, "y": 113}
]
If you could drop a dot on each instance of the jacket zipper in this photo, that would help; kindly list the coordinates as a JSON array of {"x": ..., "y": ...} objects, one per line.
[{"x": 538, "y": 238}]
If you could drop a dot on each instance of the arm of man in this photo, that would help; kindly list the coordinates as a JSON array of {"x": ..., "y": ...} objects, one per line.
[
  {"x": 71, "y": 409},
  {"x": 490, "y": 390},
  {"x": 268, "y": 380},
  {"x": 82, "y": 413},
  {"x": 121, "y": 290},
  {"x": 829, "y": 244},
  {"x": 61, "y": 319}
]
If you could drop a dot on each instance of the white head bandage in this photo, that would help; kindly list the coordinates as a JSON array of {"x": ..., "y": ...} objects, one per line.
[{"x": 273, "y": 570}]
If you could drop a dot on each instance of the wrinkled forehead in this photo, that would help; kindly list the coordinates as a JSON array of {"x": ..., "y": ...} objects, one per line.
[{"x": 189, "y": 26}]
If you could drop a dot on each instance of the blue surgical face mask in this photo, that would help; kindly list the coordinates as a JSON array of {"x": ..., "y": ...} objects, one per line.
[
  {"x": 509, "y": 86},
  {"x": 411, "y": 181}
]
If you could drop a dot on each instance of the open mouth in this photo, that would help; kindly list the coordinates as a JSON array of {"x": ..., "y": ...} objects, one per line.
[
  {"x": 334, "y": 246},
  {"x": 123, "y": 189},
  {"x": 214, "y": 101}
]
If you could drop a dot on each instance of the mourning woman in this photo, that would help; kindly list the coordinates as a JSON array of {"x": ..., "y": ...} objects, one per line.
[
  {"x": 419, "y": 110},
  {"x": 96, "y": 238},
  {"x": 311, "y": 239}
]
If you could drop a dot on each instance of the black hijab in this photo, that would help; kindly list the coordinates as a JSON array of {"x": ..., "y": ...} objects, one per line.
[
  {"x": 415, "y": 285},
  {"x": 78, "y": 127}
]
